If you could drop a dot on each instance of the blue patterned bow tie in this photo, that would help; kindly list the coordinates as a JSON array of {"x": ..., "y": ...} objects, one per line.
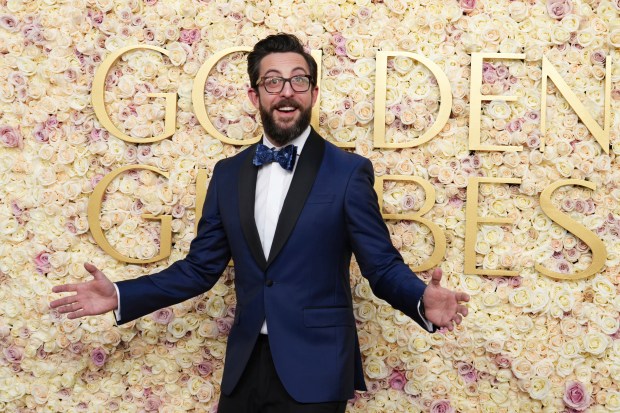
[{"x": 286, "y": 156}]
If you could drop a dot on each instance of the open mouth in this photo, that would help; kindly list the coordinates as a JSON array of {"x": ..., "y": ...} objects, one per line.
[{"x": 286, "y": 109}]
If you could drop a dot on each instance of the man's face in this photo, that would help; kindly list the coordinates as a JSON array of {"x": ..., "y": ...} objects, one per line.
[{"x": 285, "y": 115}]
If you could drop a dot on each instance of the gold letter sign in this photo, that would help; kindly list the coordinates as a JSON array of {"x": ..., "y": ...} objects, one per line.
[
  {"x": 476, "y": 101},
  {"x": 445, "y": 103},
  {"x": 601, "y": 135},
  {"x": 438, "y": 234},
  {"x": 94, "y": 206},
  {"x": 471, "y": 225},
  {"x": 98, "y": 99},
  {"x": 599, "y": 252}
]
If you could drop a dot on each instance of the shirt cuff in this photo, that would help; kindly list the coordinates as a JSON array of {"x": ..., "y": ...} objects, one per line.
[
  {"x": 117, "y": 312},
  {"x": 429, "y": 326}
]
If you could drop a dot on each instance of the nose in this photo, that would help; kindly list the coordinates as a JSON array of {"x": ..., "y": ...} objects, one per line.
[{"x": 287, "y": 90}]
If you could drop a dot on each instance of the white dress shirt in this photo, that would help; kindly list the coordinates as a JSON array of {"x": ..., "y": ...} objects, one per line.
[{"x": 272, "y": 184}]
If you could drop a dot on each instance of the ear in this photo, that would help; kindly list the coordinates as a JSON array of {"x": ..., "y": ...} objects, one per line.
[
  {"x": 315, "y": 94},
  {"x": 254, "y": 98}
]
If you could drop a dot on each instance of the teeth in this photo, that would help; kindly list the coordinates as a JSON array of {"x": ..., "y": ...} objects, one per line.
[{"x": 287, "y": 109}]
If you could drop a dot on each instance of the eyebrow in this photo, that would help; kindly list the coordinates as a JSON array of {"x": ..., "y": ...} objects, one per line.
[{"x": 277, "y": 72}]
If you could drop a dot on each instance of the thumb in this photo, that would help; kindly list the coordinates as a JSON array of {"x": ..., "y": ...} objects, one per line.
[
  {"x": 436, "y": 277},
  {"x": 94, "y": 271}
]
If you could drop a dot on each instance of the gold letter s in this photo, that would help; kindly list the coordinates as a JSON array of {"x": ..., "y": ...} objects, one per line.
[{"x": 599, "y": 252}]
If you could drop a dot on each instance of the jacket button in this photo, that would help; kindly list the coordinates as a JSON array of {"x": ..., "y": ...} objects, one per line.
[{"x": 269, "y": 283}]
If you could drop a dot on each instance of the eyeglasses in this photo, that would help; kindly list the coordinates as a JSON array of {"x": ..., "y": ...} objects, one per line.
[{"x": 275, "y": 84}]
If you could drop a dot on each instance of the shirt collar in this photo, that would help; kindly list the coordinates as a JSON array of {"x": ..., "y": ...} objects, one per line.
[{"x": 299, "y": 141}]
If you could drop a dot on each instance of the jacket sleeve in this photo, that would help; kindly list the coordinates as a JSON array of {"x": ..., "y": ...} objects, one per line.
[
  {"x": 195, "y": 274},
  {"x": 380, "y": 262}
]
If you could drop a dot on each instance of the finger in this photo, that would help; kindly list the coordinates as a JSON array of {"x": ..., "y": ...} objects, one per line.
[
  {"x": 94, "y": 271},
  {"x": 77, "y": 314},
  {"x": 91, "y": 268},
  {"x": 460, "y": 296},
  {"x": 457, "y": 319},
  {"x": 461, "y": 309},
  {"x": 70, "y": 308},
  {"x": 65, "y": 288},
  {"x": 63, "y": 301},
  {"x": 449, "y": 325},
  {"x": 436, "y": 277}
]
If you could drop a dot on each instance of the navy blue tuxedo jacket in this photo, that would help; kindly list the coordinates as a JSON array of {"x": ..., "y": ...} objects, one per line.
[{"x": 302, "y": 288}]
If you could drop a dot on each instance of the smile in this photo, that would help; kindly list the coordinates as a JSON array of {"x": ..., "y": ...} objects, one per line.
[{"x": 286, "y": 109}]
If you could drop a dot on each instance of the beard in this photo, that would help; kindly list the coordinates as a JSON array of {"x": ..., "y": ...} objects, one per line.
[{"x": 284, "y": 135}]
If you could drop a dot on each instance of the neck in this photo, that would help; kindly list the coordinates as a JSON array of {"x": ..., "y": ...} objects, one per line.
[{"x": 274, "y": 143}]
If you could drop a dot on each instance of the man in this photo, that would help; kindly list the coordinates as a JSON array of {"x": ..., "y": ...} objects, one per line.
[{"x": 290, "y": 218}]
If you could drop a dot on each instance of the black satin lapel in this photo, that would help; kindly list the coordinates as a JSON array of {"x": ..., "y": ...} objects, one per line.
[
  {"x": 247, "y": 199},
  {"x": 305, "y": 174}
]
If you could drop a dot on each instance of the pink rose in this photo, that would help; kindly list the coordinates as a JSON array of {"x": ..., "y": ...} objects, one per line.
[
  {"x": 408, "y": 202},
  {"x": 502, "y": 361},
  {"x": 41, "y": 134},
  {"x": 533, "y": 116},
  {"x": 598, "y": 57},
  {"x": 468, "y": 372},
  {"x": 341, "y": 51},
  {"x": 9, "y": 23},
  {"x": 441, "y": 406},
  {"x": 152, "y": 403},
  {"x": 489, "y": 76},
  {"x": 96, "y": 17},
  {"x": 455, "y": 202},
  {"x": 467, "y": 5},
  {"x": 189, "y": 36},
  {"x": 575, "y": 396},
  {"x": 397, "y": 380},
  {"x": 95, "y": 179},
  {"x": 42, "y": 261},
  {"x": 514, "y": 125},
  {"x": 163, "y": 316},
  {"x": 338, "y": 39},
  {"x": 11, "y": 137},
  {"x": 13, "y": 354},
  {"x": 98, "y": 356},
  {"x": 558, "y": 9},
  {"x": 502, "y": 71},
  {"x": 224, "y": 324},
  {"x": 205, "y": 368},
  {"x": 364, "y": 13},
  {"x": 34, "y": 33},
  {"x": 76, "y": 348},
  {"x": 515, "y": 281}
]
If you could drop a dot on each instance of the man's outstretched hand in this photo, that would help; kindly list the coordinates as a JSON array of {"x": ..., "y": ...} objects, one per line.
[
  {"x": 94, "y": 297},
  {"x": 442, "y": 306}
]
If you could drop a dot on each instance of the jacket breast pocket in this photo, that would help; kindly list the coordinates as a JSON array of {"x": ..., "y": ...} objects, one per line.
[
  {"x": 328, "y": 317},
  {"x": 320, "y": 199}
]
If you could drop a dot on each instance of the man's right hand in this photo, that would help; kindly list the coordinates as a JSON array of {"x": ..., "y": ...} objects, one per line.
[{"x": 94, "y": 297}]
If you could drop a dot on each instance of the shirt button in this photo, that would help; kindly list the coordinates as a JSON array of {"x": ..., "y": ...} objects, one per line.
[{"x": 269, "y": 283}]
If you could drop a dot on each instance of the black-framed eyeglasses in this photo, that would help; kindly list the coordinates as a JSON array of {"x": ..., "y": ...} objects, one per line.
[{"x": 275, "y": 84}]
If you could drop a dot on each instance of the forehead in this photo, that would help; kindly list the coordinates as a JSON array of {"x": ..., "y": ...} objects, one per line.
[{"x": 283, "y": 63}]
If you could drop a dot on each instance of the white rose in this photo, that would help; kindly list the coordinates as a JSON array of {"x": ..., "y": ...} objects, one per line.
[
  {"x": 539, "y": 388},
  {"x": 595, "y": 343}
]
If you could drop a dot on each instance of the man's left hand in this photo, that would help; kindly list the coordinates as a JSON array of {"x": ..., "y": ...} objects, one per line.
[{"x": 443, "y": 307}]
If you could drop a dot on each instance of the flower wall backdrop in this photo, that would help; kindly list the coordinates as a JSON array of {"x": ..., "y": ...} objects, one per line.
[{"x": 531, "y": 343}]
